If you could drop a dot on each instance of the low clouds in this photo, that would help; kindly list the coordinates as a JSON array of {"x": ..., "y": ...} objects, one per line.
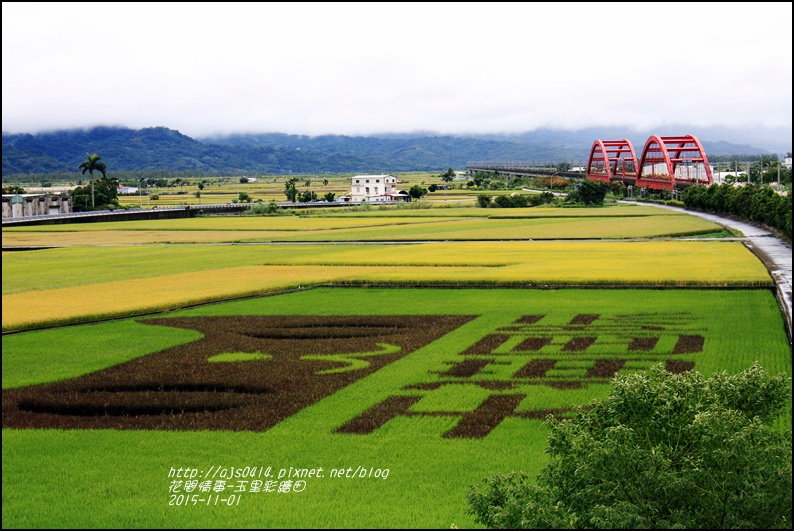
[{"x": 358, "y": 69}]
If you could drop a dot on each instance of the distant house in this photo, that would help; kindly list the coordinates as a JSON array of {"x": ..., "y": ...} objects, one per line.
[
  {"x": 376, "y": 189},
  {"x": 127, "y": 190},
  {"x": 786, "y": 162},
  {"x": 401, "y": 195}
]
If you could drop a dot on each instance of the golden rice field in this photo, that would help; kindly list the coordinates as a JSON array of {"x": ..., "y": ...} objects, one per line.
[
  {"x": 613, "y": 210},
  {"x": 342, "y": 229},
  {"x": 116, "y": 281},
  {"x": 288, "y": 223}
]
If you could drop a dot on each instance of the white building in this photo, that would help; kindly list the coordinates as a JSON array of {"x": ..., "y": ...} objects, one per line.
[{"x": 375, "y": 189}]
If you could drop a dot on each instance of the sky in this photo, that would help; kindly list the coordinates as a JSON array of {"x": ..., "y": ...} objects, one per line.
[{"x": 356, "y": 69}]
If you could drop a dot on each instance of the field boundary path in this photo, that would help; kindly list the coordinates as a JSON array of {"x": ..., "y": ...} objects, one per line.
[{"x": 774, "y": 252}]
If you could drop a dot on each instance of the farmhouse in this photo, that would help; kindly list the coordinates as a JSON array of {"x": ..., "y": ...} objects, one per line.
[{"x": 376, "y": 189}]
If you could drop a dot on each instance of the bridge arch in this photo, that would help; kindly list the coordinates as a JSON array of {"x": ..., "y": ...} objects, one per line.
[
  {"x": 612, "y": 159},
  {"x": 668, "y": 161}
]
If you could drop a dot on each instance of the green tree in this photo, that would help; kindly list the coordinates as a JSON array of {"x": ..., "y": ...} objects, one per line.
[
  {"x": 592, "y": 192},
  {"x": 618, "y": 189},
  {"x": 417, "y": 192},
  {"x": 481, "y": 179},
  {"x": 329, "y": 197},
  {"x": 483, "y": 200},
  {"x": 432, "y": 188},
  {"x": 198, "y": 195},
  {"x": 661, "y": 451},
  {"x": 448, "y": 175},
  {"x": 291, "y": 189},
  {"x": 105, "y": 194},
  {"x": 91, "y": 165},
  {"x": 308, "y": 196},
  {"x": 244, "y": 197}
]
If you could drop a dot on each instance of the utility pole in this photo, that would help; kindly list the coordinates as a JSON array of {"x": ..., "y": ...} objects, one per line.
[{"x": 778, "y": 176}]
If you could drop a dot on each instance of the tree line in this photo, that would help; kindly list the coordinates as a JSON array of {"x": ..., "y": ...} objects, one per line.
[{"x": 760, "y": 204}]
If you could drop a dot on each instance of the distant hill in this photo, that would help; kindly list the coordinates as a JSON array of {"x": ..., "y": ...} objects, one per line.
[
  {"x": 160, "y": 148},
  {"x": 153, "y": 148}
]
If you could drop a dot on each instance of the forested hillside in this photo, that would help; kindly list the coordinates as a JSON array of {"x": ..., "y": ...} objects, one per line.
[{"x": 160, "y": 148}]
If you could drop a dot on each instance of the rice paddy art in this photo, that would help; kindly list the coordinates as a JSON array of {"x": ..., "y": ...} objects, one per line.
[
  {"x": 246, "y": 374},
  {"x": 589, "y": 348},
  {"x": 441, "y": 386}
]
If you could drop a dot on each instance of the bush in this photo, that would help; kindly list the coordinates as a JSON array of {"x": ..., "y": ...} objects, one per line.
[
  {"x": 264, "y": 209},
  {"x": 591, "y": 193},
  {"x": 483, "y": 200},
  {"x": 662, "y": 450},
  {"x": 515, "y": 200}
]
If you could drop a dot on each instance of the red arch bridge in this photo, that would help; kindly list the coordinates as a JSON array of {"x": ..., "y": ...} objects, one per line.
[{"x": 666, "y": 163}]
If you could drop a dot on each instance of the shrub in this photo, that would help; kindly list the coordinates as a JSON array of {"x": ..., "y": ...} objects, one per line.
[
  {"x": 263, "y": 209},
  {"x": 662, "y": 450}
]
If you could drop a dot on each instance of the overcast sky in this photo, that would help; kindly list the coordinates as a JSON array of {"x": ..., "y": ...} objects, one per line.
[{"x": 205, "y": 68}]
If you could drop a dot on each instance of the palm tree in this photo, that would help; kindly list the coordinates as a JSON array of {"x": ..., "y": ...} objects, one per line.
[{"x": 89, "y": 166}]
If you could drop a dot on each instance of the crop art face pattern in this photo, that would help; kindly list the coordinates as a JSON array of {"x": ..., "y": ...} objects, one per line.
[
  {"x": 246, "y": 374},
  {"x": 250, "y": 373}
]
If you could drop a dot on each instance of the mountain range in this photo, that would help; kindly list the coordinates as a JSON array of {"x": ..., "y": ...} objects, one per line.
[{"x": 160, "y": 148}]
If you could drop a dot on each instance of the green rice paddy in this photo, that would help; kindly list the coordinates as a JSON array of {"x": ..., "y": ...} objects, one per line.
[{"x": 111, "y": 478}]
